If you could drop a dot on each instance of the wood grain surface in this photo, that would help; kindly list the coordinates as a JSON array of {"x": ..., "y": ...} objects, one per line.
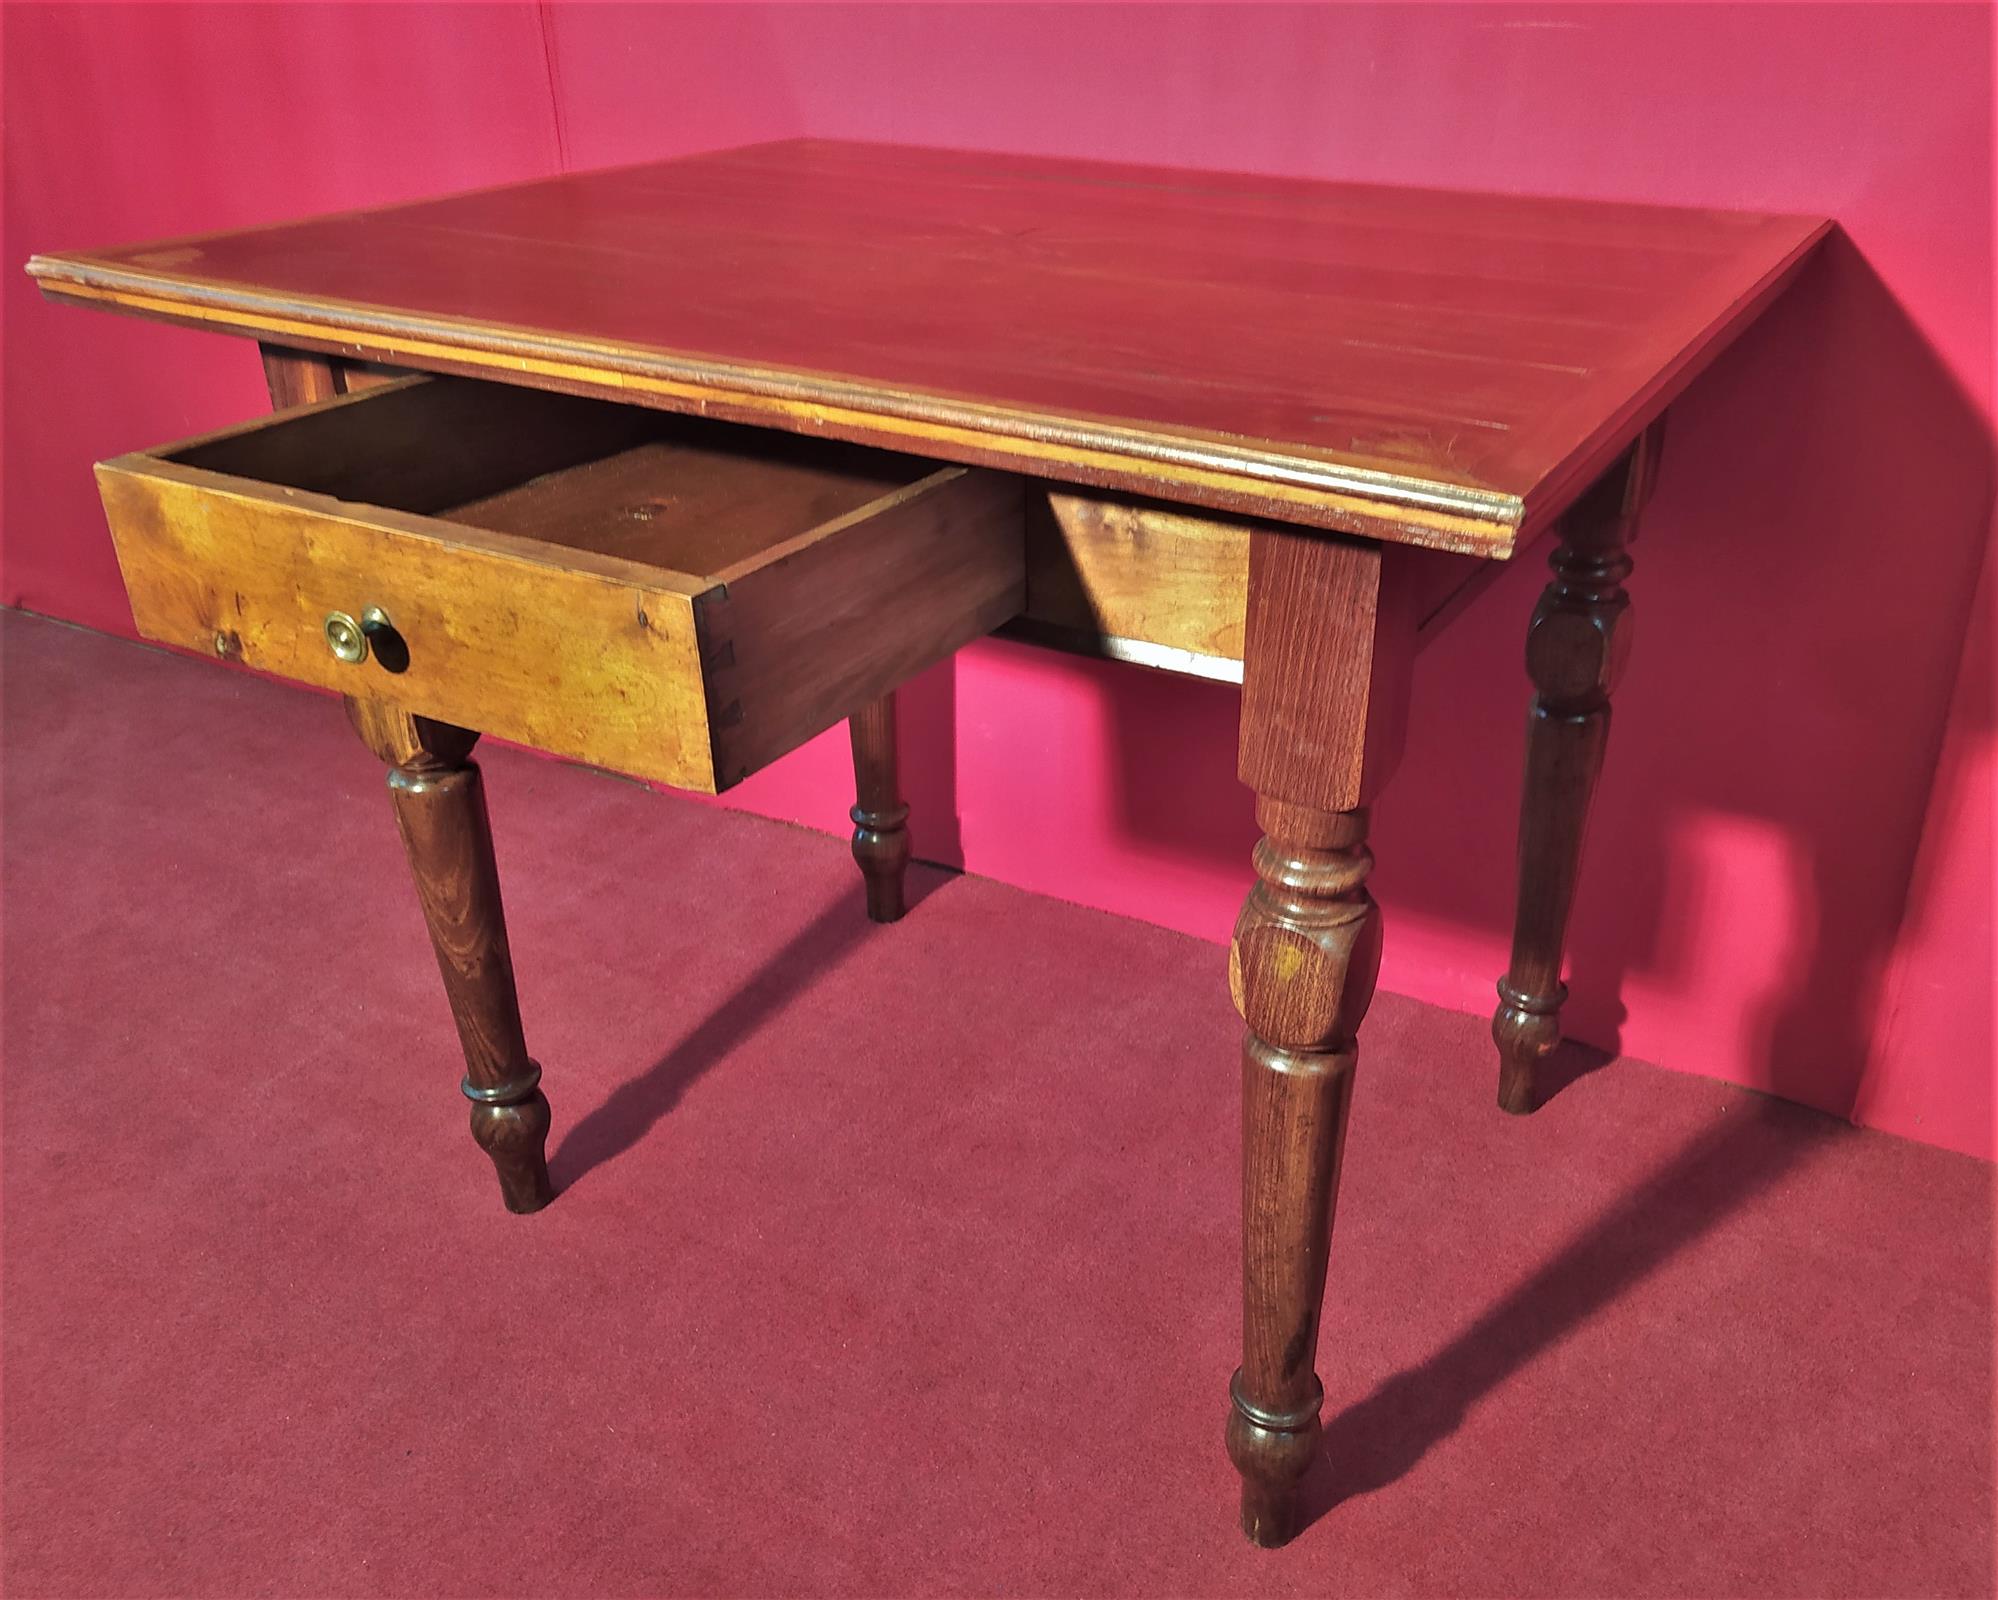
[{"x": 1446, "y": 369}]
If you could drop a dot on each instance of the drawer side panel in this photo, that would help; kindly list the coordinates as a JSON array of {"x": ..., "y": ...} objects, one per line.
[{"x": 839, "y": 619}]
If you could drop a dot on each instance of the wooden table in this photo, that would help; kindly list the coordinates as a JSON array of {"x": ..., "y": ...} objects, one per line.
[{"x": 728, "y": 447}]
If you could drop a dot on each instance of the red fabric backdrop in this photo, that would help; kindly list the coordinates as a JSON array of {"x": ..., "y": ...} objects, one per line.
[{"x": 1791, "y": 874}]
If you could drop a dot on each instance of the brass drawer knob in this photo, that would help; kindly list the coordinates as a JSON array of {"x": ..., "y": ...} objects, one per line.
[
  {"x": 344, "y": 637},
  {"x": 350, "y": 640}
]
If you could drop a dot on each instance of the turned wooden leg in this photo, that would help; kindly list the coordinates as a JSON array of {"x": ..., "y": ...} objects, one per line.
[
  {"x": 440, "y": 808},
  {"x": 1575, "y": 651},
  {"x": 1306, "y": 950},
  {"x": 880, "y": 818},
  {"x": 1329, "y": 638}
]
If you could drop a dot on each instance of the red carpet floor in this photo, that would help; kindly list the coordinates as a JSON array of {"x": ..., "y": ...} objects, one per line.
[{"x": 886, "y": 1261}]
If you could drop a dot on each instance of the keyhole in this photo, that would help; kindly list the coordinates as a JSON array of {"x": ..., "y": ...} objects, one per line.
[{"x": 391, "y": 650}]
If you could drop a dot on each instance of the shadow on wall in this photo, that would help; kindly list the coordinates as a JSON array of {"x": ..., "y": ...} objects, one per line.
[{"x": 1801, "y": 600}]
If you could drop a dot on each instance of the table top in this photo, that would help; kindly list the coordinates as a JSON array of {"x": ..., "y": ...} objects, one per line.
[{"x": 1440, "y": 368}]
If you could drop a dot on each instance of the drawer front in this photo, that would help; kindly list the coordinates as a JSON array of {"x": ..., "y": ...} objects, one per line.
[
  {"x": 580, "y": 663},
  {"x": 689, "y": 678}
]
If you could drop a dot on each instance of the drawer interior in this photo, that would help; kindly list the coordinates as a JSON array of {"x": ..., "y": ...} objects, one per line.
[{"x": 681, "y": 494}]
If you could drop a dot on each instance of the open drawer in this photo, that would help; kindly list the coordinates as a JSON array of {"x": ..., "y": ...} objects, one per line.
[{"x": 679, "y": 599}]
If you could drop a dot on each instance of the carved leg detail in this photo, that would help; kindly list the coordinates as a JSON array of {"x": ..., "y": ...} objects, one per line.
[
  {"x": 440, "y": 809},
  {"x": 1575, "y": 651},
  {"x": 1302, "y": 967},
  {"x": 880, "y": 818}
]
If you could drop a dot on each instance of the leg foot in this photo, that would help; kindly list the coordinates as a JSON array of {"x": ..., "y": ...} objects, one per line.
[
  {"x": 516, "y": 1137},
  {"x": 1272, "y": 1454},
  {"x": 880, "y": 818},
  {"x": 1526, "y": 1030},
  {"x": 440, "y": 809}
]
